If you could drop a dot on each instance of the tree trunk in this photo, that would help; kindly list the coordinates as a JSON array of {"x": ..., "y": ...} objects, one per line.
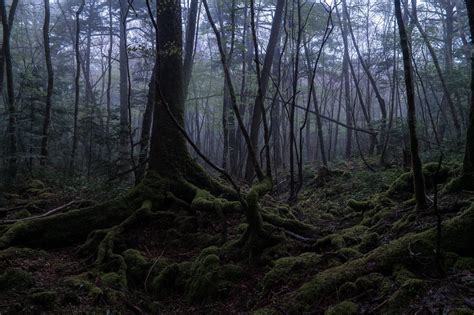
[
  {"x": 264, "y": 79},
  {"x": 419, "y": 184},
  {"x": 7, "y": 24},
  {"x": 468, "y": 167},
  {"x": 49, "y": 92}
]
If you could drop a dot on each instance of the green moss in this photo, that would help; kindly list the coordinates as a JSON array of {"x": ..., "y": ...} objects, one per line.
[
  {"x": 138, "y": 265},
  {"x": 114, "y": 280},
  {"x": 465, "y": 263},
  {"x": 408, "y": 292},
  {"x": 347, "y": 289},
  {"x": 349, "y": 253},
  {"x": 44, "y": 298},
  {"x": 374, "y": 280},
  {"x": 209, "y": 279},
  {"x": 14, "y": 278},
  {"x": 369, "y": 241},
  {"x": 402, "y": 274},
  {"x": 286, "y": 269},
  {"x": 343, "y": 308},
  {"x": 457, "y": 237}
]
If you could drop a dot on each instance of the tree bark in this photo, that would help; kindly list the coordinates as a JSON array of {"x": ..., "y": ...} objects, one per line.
[{"x": 419, "y": 184}]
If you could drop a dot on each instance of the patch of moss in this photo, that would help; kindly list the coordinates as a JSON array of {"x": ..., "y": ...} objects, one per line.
[
  {"x": 374, "y": 280},
  {"x": 349, "y": 253},
  {"x": 209, "y": 279},
  {"x": 401, "y": 274},
  {"x": 343, "y": 308},
  {"x": 286, "y": 269},
  {"x": 14, "y": 278},
  {"x": 346, "y": 290},
  {"x": 369, "y": 241},
  {"x": 114, "y": 280},
  {"x": 408, "y": 292}
]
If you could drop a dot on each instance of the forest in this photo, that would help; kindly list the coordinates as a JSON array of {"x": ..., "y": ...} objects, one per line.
[{"x": 237, "y": 157}]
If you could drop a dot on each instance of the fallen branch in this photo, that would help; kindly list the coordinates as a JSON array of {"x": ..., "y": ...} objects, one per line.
[{"x": 46, "y": 214}]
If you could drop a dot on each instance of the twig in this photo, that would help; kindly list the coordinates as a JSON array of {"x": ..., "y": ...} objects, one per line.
[{"x": 151, "y": 269}]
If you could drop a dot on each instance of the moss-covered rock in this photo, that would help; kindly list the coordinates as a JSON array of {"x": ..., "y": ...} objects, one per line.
[
  {"x": 343, "y": 308},
  {"x": 349, "y": 253},
  {"x": 14, "y": 278}
]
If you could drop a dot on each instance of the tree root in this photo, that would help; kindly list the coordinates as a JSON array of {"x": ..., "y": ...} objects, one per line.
[{"x": 457, "y": 237}]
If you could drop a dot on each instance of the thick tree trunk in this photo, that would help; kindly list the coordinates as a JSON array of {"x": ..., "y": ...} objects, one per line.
[
  {"x": 419, "y": 184},
  {"x": 7, "y": 24},
  {"x": 168, "y": 151}
]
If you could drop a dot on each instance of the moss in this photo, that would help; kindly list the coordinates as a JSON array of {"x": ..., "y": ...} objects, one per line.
[
  {"x": 349, "y": 253},
  {"x": 374, "y": 280},
  {"x": 457, "y": 237},
  {"x": 286, "y": 269},
  {"x": 369, "y": 241},
  {"x": 68, "y": 228},
  {"x": 44, "y": 298},
  {"x": 209, "y": 279},
  {"x": 402, "y": 184},
  {"x": 36, "y": 184},
  {"x": 360, "y": 206},
  {"x": 343, "y": 308},
  {"x": 137, "y": 265},
  {"x": 22, "y": 214},
  {"x": 14, "y": 278},
  {"x": 95, "y": 293},
  {"x": 114, "y": 280},
  {"x": 402, "y": 274},
  {"x": 465, "y": 263},
  {"x": 408, "y": 292},
  {"x": 171, "y": 279},
  {"x": 347, "y": 289}
]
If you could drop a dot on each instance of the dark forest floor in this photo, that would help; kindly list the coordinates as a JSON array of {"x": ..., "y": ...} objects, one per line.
[{"x": 177, "y": 267}]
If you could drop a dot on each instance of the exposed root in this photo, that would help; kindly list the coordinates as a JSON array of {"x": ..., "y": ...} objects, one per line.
[{"x": 457, "y": 237}]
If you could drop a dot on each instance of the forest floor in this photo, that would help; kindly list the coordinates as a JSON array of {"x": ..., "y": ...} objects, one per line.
[{"x": 178, "y": 267}]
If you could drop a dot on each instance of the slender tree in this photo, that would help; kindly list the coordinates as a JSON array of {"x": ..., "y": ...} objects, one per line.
[
  {"x": 468, "y": 166},
  {"x": 417, "y": 168},
  {"x": 49, "y": 90}
]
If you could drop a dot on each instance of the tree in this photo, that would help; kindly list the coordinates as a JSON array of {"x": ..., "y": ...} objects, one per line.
[
  {"x": 7, "y": 24},
  {"x": 417, "y": 168},
  {"x": 468, "y": 165},
  {"x": 49, "y": 90}
]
